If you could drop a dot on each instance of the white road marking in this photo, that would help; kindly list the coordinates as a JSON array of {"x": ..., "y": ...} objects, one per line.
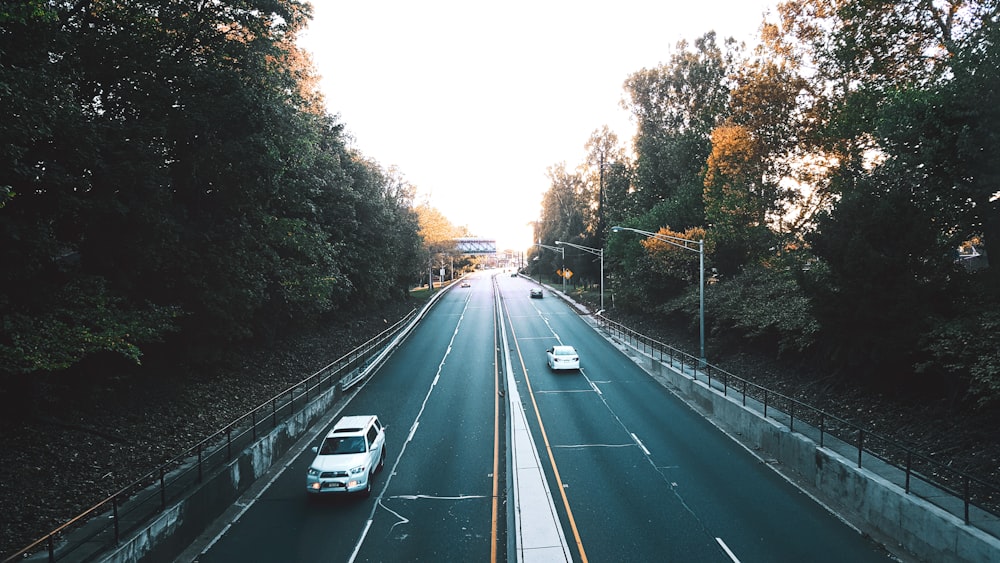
[
  {"x": 433, "y": 497},
  {"x": 416, "y": 423},
  {"x": 638, "y": 441},
  {"x": 727, "y": 550},
  {"x": 570, "y": 446}
]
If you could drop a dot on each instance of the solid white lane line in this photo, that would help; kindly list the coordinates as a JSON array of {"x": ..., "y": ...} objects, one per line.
[
  {"x": 361, "y": 540},
  {"x": 577, "y": 446},
  {"x": 728, "y": 551},
  {"x": 413, "y": 429},
  {"x": 638, "y": 441}
]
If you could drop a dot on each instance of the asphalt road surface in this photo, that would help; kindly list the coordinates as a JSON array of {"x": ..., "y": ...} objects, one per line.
[{"x": 634, "y": 474}]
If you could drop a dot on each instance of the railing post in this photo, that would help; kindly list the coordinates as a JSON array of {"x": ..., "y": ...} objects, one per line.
[
  {"x": 114, "y": 515},
  {"x": 229, "y": 443},
  {"x": 909, "y": 464},
  {"x": 52, "y": 549},
  {"x": 765, "y": 402},
  {"x": 163, "y": 489},
  {"x": 966, "y": 499},
  {"x": 274, "y": 414},
  {"x": 861, "y": 444},
  {"x": 253, "y": 423},
  {"x": 791, "y": 416},
  {"x": 822, "y": 426}
]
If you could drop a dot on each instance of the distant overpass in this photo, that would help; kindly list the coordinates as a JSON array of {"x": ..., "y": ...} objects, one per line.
[{"x": 476, "y": 245}]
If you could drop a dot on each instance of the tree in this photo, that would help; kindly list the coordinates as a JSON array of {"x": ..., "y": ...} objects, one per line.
[
  {"x": 676, "y": 106},
  {"x": 905, "y": 83},
  {"x": 606, "y": 175},
  {"x": 170, "y": 174},
  {"x": 439, "y": 236}
]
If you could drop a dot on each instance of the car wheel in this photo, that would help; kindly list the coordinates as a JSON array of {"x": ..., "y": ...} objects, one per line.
[
  {"x": 381, "y": 461},
  {"x": 368, "y": 488}
]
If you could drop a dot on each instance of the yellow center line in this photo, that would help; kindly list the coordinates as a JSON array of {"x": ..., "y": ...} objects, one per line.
[{"x": 548, "y": 447}]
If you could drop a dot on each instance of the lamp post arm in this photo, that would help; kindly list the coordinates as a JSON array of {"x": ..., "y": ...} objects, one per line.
[
  {"x": 686, "y": 244},
  {"x": 594, "y": 251},
  {"x": 561, "y": 251}
]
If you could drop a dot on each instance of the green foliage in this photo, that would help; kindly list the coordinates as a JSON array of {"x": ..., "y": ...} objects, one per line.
[
  {"x": 882, "y": 274},
  {"x": 167, "y": 173},
  {"x": 79, "y": 319},
  {"x": 676, "y": 105},
  {"x": 834, "y": 172},
  {"x": 968, "y": 347},
  {"x": 764, "y": 304}
]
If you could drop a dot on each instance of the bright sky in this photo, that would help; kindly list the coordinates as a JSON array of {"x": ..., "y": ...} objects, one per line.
[{"x": 473, "y": 101}]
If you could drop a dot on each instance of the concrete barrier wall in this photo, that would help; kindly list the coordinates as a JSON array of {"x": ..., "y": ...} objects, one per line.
[
  {"x": 181, "y": 524},
  {"x": 919, "y": 527}
]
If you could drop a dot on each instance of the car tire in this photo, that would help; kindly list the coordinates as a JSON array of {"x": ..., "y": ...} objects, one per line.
[
  {"x": 381, "y": 461},
  {"x": 367, "y": 492}
]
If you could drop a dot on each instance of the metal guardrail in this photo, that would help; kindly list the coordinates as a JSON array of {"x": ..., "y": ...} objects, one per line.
[
  {"x": 106, "y": 523},
  {"x": 921, "y": 475}
]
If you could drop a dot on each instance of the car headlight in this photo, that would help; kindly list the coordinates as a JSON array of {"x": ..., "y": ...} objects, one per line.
[
  {"x": 313, "y": 472},
  {"x": 357, "y": 470}
]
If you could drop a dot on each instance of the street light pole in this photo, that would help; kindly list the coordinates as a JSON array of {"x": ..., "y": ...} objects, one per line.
[
  {"x": 562, "y": 252},
  {"x": 599, "y": 252},
  {"x": 688, "y": 245}
]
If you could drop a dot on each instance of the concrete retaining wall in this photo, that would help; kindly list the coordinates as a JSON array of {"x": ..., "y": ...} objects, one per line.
[
  {"x": 884, "y": 509},
  {"x": 181, "y": 524},
  {"x": 178, "y": 526}
]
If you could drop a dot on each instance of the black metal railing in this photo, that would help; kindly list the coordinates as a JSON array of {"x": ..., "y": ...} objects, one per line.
[
  {"x": 918, "y": 474},
  {"x": 86, "y": 536}
]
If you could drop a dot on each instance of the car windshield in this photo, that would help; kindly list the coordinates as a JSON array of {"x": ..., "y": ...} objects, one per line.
[
  {"x": 343, "y": 445},
  {"x": 565, "y": 352}
]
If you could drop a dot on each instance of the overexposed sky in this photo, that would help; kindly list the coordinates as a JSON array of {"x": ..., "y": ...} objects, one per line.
[{"x": 473, "y": 101}]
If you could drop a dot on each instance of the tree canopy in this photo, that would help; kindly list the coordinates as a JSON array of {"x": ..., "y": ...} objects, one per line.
[
  {"x": 168, "y": 174},
  {"x": 833, "y": 172}
]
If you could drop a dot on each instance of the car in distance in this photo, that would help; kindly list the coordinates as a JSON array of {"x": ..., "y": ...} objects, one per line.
[
  {"x": 466, "y": 284},
  {"x": 536, "y": 293},
  {"x": 348, "y": 457},
  {"x": 562, "y": 357}
]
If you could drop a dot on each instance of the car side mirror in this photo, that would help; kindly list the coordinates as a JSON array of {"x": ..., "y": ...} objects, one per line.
[{"x": 315, "y": 449}]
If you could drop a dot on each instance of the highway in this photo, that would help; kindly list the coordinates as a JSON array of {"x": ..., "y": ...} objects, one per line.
[{"x": 634, "y": 473}]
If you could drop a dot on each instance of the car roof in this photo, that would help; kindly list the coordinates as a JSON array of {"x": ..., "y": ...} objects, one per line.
[
  {"x": 352, "y": 424},
  {"x": 564, "y": 347}
]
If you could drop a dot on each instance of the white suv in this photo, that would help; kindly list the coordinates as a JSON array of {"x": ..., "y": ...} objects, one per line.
[{"x": 348, "y": 457}]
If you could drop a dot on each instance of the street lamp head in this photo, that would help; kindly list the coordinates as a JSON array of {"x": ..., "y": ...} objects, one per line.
[
  {"x": 615, "y": 229},
  {"x": 558, "y": 242}
]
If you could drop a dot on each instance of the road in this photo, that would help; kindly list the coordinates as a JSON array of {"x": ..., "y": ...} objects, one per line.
[{"x": 634, "y": 473}]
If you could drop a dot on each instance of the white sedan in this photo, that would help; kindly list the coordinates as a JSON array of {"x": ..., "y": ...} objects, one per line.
[{"x": 562, "y": 357}]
